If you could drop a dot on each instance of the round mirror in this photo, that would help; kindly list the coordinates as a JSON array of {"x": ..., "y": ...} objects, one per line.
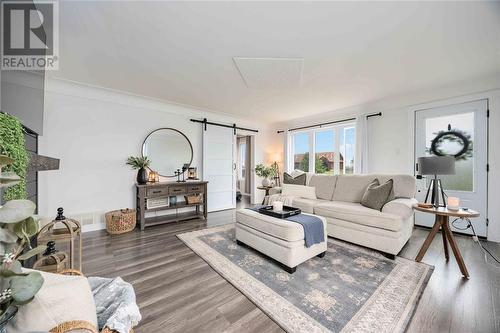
[{"x": 169, "y": 150}]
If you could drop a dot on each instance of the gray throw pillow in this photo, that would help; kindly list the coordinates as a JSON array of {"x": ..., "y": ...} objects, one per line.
[
  {"x": 299, "y": 180},
  {"x": 376, "y": 195}
]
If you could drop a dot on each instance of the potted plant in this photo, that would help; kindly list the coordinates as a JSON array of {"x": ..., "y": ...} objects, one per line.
[
  {"x": 266, "y": 173},
  {"x": 17, "y": 226},
  {"x": 140, "y": 164}
]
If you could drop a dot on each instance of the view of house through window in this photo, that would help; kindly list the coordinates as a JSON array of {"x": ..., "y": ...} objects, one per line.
[{"x": 333, "y": 150}]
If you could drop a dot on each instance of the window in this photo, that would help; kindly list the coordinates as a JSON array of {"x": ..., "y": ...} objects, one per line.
[
  {"x": 333, "y": 149},
  {"x": 301, "y": 145}
]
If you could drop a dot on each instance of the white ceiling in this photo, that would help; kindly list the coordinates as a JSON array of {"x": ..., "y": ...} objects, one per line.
[{"x": 353, "y": 52}]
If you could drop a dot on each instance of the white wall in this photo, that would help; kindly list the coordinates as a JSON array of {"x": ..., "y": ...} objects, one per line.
[
  {"x": 391, "y": 136},
  {"x": 94, "y": 130}
]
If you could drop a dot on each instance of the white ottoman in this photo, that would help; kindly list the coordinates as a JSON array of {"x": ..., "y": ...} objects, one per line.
[{"x": 279, "y": 239}]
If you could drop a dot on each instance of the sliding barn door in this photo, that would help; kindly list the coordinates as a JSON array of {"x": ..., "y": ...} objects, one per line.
[{"x": 219, "y": 167}]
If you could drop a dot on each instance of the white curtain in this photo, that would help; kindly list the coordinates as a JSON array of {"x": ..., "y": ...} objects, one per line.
[
  {"x": 286, "y": 151},
  {"x": 361, "y": 158}
]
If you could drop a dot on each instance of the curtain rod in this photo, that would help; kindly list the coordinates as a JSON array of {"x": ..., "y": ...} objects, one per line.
[
  {"x": 331, "y": 122},
  {"x": 205, "y": 122}
]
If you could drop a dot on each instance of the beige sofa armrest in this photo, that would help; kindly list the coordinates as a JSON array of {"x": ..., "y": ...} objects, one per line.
[{"x": 402, "y": 207}]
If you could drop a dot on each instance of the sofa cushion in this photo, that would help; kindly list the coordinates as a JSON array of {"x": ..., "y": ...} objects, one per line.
[
  {"x": 306, "y": 205},
  {"x": 356, "y": 213},
  {"x": 376, "y": 194},
  {"x": 297, "y": 180},
  {"x": 404, "y": 185},
  {"x": 298, "y": 191},
  {"x": 61, "y": 298},
  {"x": 324, "y": 184},
  {"x": 282, "y": 229},
  {"x": 351, "y": 188}
]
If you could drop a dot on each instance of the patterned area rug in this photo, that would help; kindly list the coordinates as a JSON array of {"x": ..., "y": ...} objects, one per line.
[{"x": 351, "y": 289}]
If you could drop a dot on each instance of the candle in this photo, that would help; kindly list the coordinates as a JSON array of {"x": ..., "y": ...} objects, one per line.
[
  {"x": 453, "y": 203},
  {"x": 277, "y": 206}
]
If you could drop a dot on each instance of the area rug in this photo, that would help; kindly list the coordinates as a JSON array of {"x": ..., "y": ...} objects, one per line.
[{"x": 351, "y": 289}]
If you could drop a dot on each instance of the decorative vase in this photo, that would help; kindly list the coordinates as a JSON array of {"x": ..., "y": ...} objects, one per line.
[
  {"x": 266, "y": 182},
  {"x": 6, "y": 317},
  {"x": 142, "y": 176}
]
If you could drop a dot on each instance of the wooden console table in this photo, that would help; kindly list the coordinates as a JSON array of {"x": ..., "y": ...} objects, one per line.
[
  {"x": 442, "y": 221},
  {"x": 164, "y": 190}
]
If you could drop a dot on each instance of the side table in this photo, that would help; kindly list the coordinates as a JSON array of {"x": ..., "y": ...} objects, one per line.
[
  {"x": 442, "y": 222},
  {"x": 265, "y": 188}
]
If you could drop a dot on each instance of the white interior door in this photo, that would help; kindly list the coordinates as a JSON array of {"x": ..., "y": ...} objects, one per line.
[
  {"x": 470, "y": 180},
  {"x": 219, "y": 167}
]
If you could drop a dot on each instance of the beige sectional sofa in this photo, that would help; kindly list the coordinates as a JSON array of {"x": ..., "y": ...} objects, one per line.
[{"x": 338, "y": 200}]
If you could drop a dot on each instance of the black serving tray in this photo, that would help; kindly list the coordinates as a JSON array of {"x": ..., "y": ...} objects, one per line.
[{"x": 283, "y": 214}]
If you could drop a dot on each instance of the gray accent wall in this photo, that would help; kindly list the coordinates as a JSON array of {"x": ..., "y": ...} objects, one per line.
[{"x": 22, "y": 95}]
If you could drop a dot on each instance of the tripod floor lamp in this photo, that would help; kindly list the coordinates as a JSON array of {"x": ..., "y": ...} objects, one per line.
[{"x": 436, "y": 165}]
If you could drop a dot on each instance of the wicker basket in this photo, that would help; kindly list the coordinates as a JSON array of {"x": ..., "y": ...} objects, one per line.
[
  {"x": 120, "y": 221},
  {"x": 193, "y": 199}
]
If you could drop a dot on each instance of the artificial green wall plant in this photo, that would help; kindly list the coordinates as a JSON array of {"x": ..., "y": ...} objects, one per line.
[{"x": 12, "y": 144}]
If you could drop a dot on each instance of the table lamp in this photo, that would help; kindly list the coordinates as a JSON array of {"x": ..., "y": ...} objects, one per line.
[{"x": 436, "y": 165}]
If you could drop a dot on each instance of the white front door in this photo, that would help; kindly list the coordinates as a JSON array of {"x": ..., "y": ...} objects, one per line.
[
  {"x": 219, "y": 167},
  {"x": 447, "y": 127}
]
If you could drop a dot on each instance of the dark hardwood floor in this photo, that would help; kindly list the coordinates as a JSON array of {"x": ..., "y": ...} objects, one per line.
[{"x": 178, "y": 292}]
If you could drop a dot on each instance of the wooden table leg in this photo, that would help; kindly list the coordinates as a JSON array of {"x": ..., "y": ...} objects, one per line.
[
  {"x": 428, "y": 240},
  {"x": 445, "y": 242},
  {"x": 454, "y": 248}
]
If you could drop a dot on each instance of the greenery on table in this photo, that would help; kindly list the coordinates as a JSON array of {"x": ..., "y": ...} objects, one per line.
[
  {"x": 266, "y": 171},
  {"x": 12, "y": 144},
  {"x": 138, "y": 162},
  {"x": 17, "y": 227}
]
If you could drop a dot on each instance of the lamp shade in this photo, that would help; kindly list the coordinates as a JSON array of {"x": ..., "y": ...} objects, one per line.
[{"x": 436, "y": 165}]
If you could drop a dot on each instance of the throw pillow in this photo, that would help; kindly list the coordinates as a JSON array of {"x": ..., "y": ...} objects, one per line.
[
  {"x": 298, "y": 180},
  {"x": 61, "y": 298},
  {"x": 296, "y": 173},
  {"x": 376, "y": 195},
  {"x": 307, "y": 192}
]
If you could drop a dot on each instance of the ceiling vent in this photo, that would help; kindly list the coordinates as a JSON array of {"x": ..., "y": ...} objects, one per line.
[{"x": 270, "y": 73}]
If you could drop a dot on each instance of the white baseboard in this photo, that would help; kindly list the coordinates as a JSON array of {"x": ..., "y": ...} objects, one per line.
[{"x": 93, "y": 227}]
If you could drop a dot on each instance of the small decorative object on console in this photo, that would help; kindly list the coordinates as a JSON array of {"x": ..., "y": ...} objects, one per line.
[
  {"x": 120, "y": 221},
  {"x": 283, "y": 214},
  {"x": 140, "y": 164},
  {"x": 425, "y": 205},
  {"x": 153, "y": 176},
  {"x": 192, "y": 173}
]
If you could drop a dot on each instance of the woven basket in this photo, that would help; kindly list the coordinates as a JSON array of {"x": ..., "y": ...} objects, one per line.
[
  {"x": 193, "y": 198},
  {"x": 120, "y": 221}
]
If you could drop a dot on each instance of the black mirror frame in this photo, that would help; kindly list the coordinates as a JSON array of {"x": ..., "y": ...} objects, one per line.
[{"x": 173, "y": 129}]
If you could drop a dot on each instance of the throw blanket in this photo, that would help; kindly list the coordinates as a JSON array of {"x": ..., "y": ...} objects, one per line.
[
  {"x": 314, "y": 231},
  {"x": 115, "y": 304}
]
